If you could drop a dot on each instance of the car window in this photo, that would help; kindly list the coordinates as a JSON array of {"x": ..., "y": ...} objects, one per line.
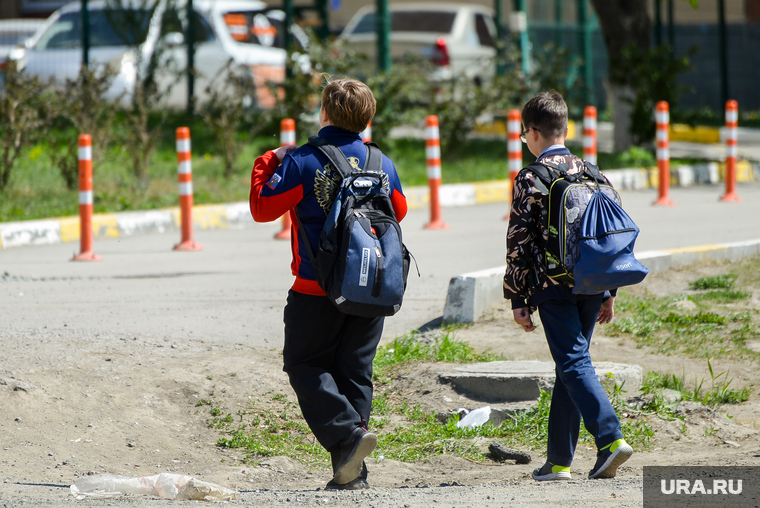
[
  {"x": 484, "y": 34},
  {"x": 254, "y": 27},
  {"x": 112, "y": 28},
  {"x": 170, "y": 22},
  {"x": 14, "y": 37},
  {"x": 411, "y": 21}
]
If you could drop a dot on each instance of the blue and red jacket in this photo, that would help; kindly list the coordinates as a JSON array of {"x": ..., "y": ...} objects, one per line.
[{"x": 307, "y": 183}]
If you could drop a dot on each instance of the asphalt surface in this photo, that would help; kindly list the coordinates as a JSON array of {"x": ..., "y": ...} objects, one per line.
[{"x": 233, "y": 291}]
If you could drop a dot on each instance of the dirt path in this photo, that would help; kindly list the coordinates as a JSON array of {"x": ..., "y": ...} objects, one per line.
[{"x": 80, "y": 401}]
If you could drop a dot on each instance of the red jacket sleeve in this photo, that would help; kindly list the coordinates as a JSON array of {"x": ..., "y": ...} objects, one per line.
[
  {"x": 398, "y": 202},
  {"x": 271, "y": 207}
]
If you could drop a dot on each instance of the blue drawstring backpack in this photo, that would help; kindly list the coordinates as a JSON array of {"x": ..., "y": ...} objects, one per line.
[{"x": 606, "y": 242}]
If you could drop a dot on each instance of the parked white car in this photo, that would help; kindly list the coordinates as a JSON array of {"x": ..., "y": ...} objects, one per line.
[
  {"x": 130, "y": 36},
  {"x": 459, "y": 38},
  {"x": 13, "y": 35}
]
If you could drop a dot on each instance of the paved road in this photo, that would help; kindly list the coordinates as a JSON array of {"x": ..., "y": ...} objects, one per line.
[{"x": 234, "y": 290}]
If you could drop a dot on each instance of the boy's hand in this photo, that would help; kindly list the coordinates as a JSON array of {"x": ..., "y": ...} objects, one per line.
[
  {"x": 607, "y": 312},
  {"x": 283, "y": 150},
  {"x": 524, "y": 319}
]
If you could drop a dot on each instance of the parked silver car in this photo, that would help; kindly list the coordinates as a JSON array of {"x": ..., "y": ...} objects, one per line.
[
  {"x": 459, "y": 38},
  {"x": 137, "y": 36}
]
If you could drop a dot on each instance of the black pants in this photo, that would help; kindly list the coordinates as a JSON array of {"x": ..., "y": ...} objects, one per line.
[{"x": 328, "y": 357}]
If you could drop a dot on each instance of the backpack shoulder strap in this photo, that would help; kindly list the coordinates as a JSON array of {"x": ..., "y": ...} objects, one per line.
[
  {"x": 374, "y": 160},
  {"x": 542, "y": 171},
  {"x": 334, "y": 154},
  {"x": 593, "y": 171}
]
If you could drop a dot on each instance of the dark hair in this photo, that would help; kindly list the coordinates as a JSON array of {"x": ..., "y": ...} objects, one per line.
[
  {"x": 349, "y": 104},
  {"x": 546, "y": 112}
]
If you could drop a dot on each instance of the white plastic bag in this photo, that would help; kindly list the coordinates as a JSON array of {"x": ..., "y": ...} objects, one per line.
[
  {"x": 475, "y": 418},
  {"x": 167, "y": 485}
]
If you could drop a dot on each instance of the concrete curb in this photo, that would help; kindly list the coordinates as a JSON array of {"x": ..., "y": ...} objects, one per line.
[
  {"x": 471, "y": 294},
  {"x": 224, "y": 216},
  {"x": 115, "y": 225}
]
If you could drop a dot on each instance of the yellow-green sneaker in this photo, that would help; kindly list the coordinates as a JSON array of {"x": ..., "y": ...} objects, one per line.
[
  {"x": 550, "y": 472},
  {"x": 609, "y": 458}
]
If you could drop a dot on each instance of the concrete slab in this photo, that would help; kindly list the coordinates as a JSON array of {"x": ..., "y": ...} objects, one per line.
[{"x": 509, "y": 381}]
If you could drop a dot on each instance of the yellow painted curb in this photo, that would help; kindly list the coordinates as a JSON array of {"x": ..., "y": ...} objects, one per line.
[
  {"x": 69, "y": 228},
  {"x": 207, "y": 217},
  {"x": 491, "y": 192},
  {"x": 105, "y": 226},
  {"x": 699, "y": 134}
]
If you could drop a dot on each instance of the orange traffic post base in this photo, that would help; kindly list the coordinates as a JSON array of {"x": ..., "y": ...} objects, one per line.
[
  {"x": 663, "y": 154},
  {"x": 185, "y": 178},
  {"x": 732, "y": 125},
  {"x": 514, "y": 151},
  {"x": 85, "y": 201},
  {"x": 287, "y": 137},
  {"x": 433, "y": 155}
]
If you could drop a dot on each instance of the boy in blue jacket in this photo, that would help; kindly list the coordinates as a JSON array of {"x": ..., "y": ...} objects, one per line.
[
  {"x": 568, "y": 319},
  {"x": 327, "y": 354}
]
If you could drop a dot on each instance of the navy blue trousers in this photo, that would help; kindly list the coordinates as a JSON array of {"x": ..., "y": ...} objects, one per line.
[
  {"x": 328, "y": 358},
  {"x": 568, "y": 324}
]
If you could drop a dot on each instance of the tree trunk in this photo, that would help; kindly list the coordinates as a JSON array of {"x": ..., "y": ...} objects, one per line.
[{"x": 623, "y": 22}]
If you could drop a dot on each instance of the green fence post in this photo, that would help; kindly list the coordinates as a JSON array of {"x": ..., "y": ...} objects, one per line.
[
  {"x": 500, "y": 67},
  {"x": 383, "y": 28},
  {"x": 324, "y": 31},
  {"x": 657, "y": 24},
  {"x": 520, "y": 5},
  {"x": 723, "y": 51},
  {"x": 190, "y": 41},
  {"x": 586, "y": 50},
  {"x": 85, "y": 34}
]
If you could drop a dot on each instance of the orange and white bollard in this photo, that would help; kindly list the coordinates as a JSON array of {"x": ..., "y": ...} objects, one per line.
[
  {"x": 662, "y": 117},
  {"x": 514, "y": 150},
  {"x": 85, "y": 201},
  {"x": 185, "y": 180},
  {"x": 366, "y": 134},
  {"x": 287, "y": 137},
  {"x": 433, "y": 155},
  {"x": 732, "y": 125},
  {"x": 589, "y": 134}
]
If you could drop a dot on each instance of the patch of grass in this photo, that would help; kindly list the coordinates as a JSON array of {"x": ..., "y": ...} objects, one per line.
[
  {"x": 264, "y": 430},
  {"x": 723, "y": 295},
  {"x": 717, "y": 394},
  {"x": 709, "y": 326},
  {"x": 408, "y": 349},
  {"x": 717, "y": 282}
]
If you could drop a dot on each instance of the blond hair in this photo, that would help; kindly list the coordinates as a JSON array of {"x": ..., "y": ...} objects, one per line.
[{"x": 349, "y": 104}]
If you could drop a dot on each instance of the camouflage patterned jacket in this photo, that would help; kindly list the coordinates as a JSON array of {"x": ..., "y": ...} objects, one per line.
[{"x": 527, "y": 233}]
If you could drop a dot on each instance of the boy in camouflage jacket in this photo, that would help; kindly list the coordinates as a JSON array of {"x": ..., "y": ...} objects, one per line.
[{"x": 568, "y": 319}]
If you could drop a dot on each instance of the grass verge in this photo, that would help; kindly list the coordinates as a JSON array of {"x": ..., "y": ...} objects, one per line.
[
  {"x": 716, "y": 320},
  {"x": 273, "y": 425},
  {"x": 37, "y": 189}
]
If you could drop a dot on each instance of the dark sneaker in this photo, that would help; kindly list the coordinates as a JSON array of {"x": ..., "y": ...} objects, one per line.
[
  {"x": 357, "y": 484},
  {"x": 609, "y": 458},
  {"x": 549, "y": 472},
  {"x": 353, "y": 450}
]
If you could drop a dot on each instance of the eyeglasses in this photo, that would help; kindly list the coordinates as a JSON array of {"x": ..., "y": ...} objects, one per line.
[{"x": 522, "y": 135}]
